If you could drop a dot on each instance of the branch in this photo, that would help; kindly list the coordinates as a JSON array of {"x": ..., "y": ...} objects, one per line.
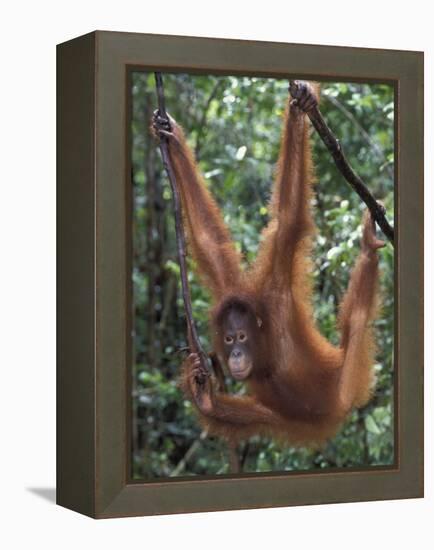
[
  {"x": 234, "y": 458},
  {"x": 378, "y": 151},
  {"x": 180, "y": 467},
  {"x": 193, "y": 338},
  {"x": 332, "y": 143},
  {"x": 204, "y": 116}
]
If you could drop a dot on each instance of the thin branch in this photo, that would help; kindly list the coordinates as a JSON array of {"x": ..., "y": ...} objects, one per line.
[
  {"x": 244, "y": 454},
  {"x": 371, "y": 142},
  {"x": 193, "y": 338},
  {"x": 167, "y": 302},
  {"x": 332, "y": 143},
  {"x": 180, "y": 467},
  {"x": 204, "y": 117},
  {"x": 234, "y": 457}
]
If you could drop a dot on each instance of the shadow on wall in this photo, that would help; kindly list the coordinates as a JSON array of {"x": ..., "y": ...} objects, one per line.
[{"x": 47, "y": 493}]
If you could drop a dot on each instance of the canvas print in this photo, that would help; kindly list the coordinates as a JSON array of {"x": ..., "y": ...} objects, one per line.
[{"x": 267, "y": 345}]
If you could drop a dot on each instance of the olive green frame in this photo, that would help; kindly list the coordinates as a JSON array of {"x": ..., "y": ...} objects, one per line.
[{"x": 94, "y": 301}]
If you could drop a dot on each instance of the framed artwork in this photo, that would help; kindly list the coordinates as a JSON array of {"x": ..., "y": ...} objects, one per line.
[{"x": 298, "y": 180}]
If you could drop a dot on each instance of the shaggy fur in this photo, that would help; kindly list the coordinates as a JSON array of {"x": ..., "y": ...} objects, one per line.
[{"x": 301, "y": 386}]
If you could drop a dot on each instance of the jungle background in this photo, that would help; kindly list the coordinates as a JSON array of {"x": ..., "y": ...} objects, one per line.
[{"x": 233, "y": 125}]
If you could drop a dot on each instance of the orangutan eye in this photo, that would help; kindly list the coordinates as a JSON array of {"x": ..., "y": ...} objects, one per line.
[
  {"x": 242, "y": 337},
  {"x": 229, "y": 340}
]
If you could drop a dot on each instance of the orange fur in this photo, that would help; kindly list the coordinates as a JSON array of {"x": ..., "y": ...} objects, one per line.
[{"x": 301, "y": 387}]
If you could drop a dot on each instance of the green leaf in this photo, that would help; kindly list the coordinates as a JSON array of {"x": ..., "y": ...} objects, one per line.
[{"x": 372, "y": 426}]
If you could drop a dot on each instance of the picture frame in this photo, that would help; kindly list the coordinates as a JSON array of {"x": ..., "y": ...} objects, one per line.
[{"x": 94, "y": 266}]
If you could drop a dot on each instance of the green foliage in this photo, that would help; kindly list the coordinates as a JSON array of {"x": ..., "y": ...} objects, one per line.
[{"x": 234, "y": 124}]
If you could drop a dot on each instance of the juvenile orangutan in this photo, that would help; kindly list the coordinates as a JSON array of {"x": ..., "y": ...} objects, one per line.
[{"x": 301, "y": 387}]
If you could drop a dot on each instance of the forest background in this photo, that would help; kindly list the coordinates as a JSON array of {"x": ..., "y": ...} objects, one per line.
[{"x": 233, "y": 125}]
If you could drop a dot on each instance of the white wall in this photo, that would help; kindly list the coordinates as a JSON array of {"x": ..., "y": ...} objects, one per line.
[{"x": 29, "y": 33}]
